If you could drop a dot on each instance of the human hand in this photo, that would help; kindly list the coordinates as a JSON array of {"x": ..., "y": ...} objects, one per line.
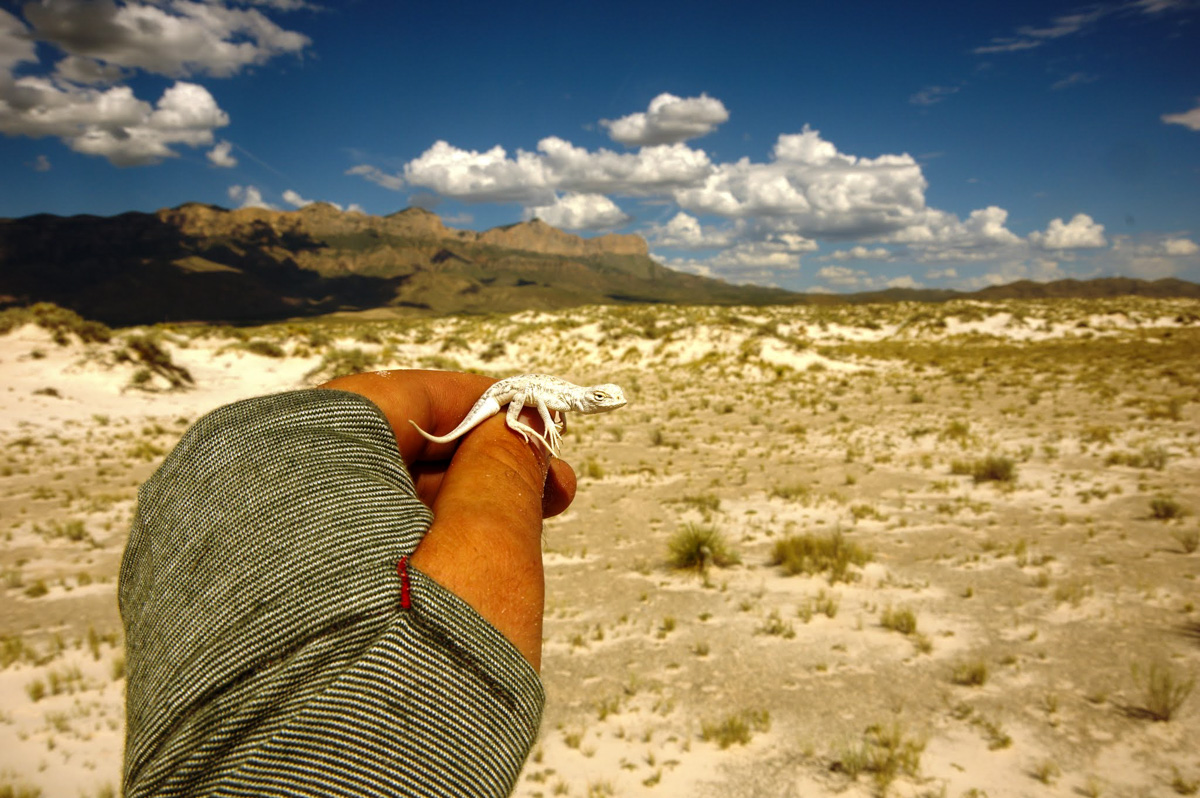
[{"x": 488, "y": 490}]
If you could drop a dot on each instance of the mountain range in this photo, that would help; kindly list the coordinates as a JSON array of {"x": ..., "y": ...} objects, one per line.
[{"x": 201, "y": 262}]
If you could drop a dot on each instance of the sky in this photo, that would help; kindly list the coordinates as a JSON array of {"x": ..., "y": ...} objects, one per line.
[{"x": 820, "y": 146}]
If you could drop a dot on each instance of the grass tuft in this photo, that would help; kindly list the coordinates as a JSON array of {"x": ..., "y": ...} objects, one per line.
[
  {"x": 697, "y": 546},
  {"x": 809, "y": 554}
]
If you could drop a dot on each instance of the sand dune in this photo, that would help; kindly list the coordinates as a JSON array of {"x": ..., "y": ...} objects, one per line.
[{"x": 1000, "y": 501}]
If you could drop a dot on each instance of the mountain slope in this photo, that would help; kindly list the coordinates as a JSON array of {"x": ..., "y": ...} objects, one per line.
[{"x": 201, "y": 262}]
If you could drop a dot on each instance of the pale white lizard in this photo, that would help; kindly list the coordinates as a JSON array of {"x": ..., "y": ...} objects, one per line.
[{"x": 548, "y": 394}]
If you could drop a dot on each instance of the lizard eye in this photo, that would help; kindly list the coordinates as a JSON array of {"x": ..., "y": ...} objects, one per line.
[{"x": 598, "y": 396}]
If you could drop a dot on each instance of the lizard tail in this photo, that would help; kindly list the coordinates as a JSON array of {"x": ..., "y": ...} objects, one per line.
[{"x": 433, "y": 438}]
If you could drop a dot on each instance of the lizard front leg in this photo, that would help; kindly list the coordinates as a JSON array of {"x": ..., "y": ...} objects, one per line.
[{"x": 550, "y": 425}]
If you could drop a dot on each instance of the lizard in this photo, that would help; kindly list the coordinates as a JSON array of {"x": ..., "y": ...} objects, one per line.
[{"x": 548, "y": 394}]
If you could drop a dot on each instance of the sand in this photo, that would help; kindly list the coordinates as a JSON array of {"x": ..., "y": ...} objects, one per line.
[{"x": 1041, "y": 600}]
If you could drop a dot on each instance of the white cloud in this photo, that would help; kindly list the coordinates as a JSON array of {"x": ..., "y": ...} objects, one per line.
[
  {"x": 1074, "y": 79},
  {"x": 294, "y": 199},
  {"x": 176, "y": 38},
  {"x": 220, "y": 155},
  {"x": 651, "y": 170},
  {"x": 903, "y": 281},
  {"x": 932, "y": 95},
  {"x": 1189, "y": 119},
  {"x": 41, "y": 164},
  {"x": 684, "y": 231},
  {"x": 949, "y": 273},
  {"x": 859, "y": 253},
  {"x": 937, "y": 236},
  {"x": 580, "y": 212},
  {"x": 111, "y": 122},
  {"x": 816, "y": 188},
  {"x": 82, "y": 98},
  {"x": 16, "y": 46},
  {"x": 1179, "y": 247},
  {"x": 1079, "y": 233},
  {"x": 534, "y": 178},
  {"x": 248, "y": 197},
  {"x": 377, "y": 176},
  {"x": 668, "y": 120},
  {"x": 473, "y": 176},
  {"x": 78, "y": 69},
  {"x": 843, "y": 276}
]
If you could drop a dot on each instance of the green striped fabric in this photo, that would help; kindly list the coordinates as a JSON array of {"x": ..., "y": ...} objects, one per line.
[{"x": 266, "y": 650}]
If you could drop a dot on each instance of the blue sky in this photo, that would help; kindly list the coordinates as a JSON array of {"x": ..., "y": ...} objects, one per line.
[{"x": 828, "y": 146}]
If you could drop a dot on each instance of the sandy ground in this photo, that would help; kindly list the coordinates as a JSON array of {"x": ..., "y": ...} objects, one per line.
[{"x": 995, "y": 639}]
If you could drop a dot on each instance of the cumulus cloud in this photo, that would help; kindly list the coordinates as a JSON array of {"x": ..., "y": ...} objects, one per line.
[
  {"x": 248, "y": 197},
  {"x": 112, "y": 122},
  {"x": 41, "y": 164},
  {"x": 535, "y": 178},
  {"x": 818, "y": 189},
  {"x": 938, "y": 236},
  {"x": 949, "y": 273},
  {"x": 1079, "y": 233},
  {"x": 220, "y": 155},
  {"x": 684, "y": 231},
  {"x": 82, "y": 100},
  {"x": 176, "y": 38},
  {"x": 668, "y": 120},
  {"x": 1189, "y": 119},
  {"x": 580, "y": 212},
  {"x": 16, "y": 45},
  {"x": 1179, "y": 247}
]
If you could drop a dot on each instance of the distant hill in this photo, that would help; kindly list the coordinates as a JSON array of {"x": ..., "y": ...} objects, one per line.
[
  {"x": 205, "y": 263},
  {"x": 202, "y": 262}
]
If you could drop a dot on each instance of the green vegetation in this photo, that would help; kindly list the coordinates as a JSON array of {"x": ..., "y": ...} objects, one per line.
[
  {"x": 902, "y": 620},
  {"x": 1165, "y": 508},
  {"x": 735, "y": 729},
  {"x": 886, "y": 753},
  {"x": 1164, "y": 690},
  {"x": 697, "y": 546},
  {"x": 811, "y": 554},
  {"x": 992, "y": 468}
]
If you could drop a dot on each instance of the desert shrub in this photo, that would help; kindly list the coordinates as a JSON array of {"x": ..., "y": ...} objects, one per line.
[
  {"x": 885, "y": 752},
  {"x": 1164, "y": 690},
  {"x": 993, "y": 468},
  {"x": 1189, "y": 539},
  {"x": 699, "y": 546},
  {"x": 61, "y": 322},
  {"x": 902, "y": 620},
  {"x": 148, "y": 351},
  {"x": 776, "y": 626},
  {"x": 809, "y": 554},
  {"x": 738, "y": 728},
  {"x": 264, "y": 348},
  {"x": 340, "y": 362},
  {"x": 1164, "y": 508},
  {"x": 973, "y": 673}
]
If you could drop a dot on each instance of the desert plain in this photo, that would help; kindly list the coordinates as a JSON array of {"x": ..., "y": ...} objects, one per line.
[{"x": 854, "y": 550}]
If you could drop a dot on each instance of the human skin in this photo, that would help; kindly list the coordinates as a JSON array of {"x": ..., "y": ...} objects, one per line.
[{"x": 489, "y": 492}]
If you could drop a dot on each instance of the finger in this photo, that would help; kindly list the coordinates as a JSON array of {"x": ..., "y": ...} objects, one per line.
[
  {"x": 435, "y": 400},
  {"x": 485, "y": 541},
  {"x": 559, "y": 491}
]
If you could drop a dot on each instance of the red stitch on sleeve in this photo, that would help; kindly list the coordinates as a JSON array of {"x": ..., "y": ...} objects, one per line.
[{"x": 405, "y": 592}]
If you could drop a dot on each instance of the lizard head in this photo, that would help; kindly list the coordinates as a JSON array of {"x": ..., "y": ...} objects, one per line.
[{"x": 600, "y": 398}]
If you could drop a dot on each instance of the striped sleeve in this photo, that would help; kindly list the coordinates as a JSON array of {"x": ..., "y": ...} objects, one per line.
[{"x": 267, "y": 653}]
